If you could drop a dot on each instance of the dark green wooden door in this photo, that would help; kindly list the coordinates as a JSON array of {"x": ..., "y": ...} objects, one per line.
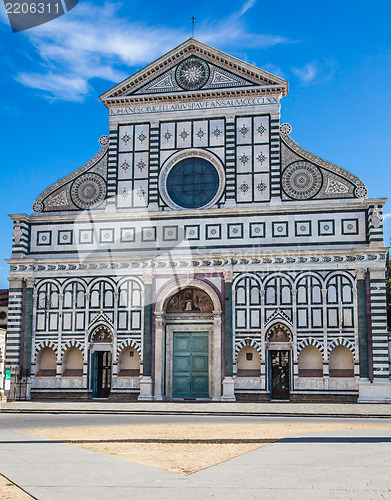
[{"x": 191, "y": 365}]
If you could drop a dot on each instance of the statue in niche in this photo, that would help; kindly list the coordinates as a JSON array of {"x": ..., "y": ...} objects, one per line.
[{"x": 190, "y": 300}]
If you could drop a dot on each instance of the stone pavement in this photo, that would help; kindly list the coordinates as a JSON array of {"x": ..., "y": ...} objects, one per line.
[
  {"x": 339, "y": 465},
  {"x": 339, "y": 410}
]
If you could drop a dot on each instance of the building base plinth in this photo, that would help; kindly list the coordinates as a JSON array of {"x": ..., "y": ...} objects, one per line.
[
  {"x": 228, "y": 389},
  {"x": 378, "y": 391},
  {"x": 145, "y": 389}
]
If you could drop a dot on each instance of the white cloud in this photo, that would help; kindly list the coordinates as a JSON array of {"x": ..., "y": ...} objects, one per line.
[
  {"x": 315, "y": 72},
  {"x": 247, "y": 6},
  {"x": 67, "y": 88},
  {"x": 307, "y": 73},
  {"x": 94, "y": 41}
]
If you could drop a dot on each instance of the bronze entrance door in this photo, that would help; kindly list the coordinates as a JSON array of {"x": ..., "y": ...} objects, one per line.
[
  {"x": 101, "y": 375},
  {"x": 279, "y": 374}
]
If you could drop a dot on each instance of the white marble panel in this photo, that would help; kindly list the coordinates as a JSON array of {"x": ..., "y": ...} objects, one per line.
[
  {"x": 125, "y": 165},
  {"x": 244, "y": 162},
  {"x": 141, "y": 161},
  {"x": 316, "y": 317},
  {"x": 243, "y": 130},
  {"x": 183, "y": 134},
  {"x": 244, "y": 188},
  {"x": 124, "y": 197},
  {"x": 125, "y": 138},
  {"x": 200, "y": 134},
  {"x": 261, "y": 158},
  {"x": 216, "y": 132},
  {"x": 141, "y": 137},
  {"x": 261, "y": 187},
  {"x": 167, "y": 135},
  {"x": 140, "y": 193},
  {"x": 261, "y": 129}
]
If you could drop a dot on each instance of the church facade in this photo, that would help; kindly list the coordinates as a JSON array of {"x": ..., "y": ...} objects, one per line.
[{"x": 201, "y": 254}]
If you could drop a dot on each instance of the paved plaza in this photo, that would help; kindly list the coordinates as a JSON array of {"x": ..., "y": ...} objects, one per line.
[{"x": 338, "y": 464}]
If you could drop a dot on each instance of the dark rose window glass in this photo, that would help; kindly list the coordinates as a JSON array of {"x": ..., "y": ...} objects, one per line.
[{"x": 192, "y": 183}]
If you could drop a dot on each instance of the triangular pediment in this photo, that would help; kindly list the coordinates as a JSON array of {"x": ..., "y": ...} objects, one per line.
[{"x": 194, "y": 67}]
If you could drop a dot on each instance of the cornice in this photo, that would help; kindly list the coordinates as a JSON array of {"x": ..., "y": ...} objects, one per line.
[
  {"x": 206, "y": 95},
  {"x": 326, "y": 259}
]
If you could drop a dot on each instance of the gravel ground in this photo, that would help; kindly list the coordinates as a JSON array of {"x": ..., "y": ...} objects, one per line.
[
  {"x": 185, "y": 449},
  {"x": 8, "y": 491}
]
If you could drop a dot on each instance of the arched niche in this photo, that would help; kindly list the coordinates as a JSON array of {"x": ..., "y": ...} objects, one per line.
[
  {"x": 310, "y": 362},
  {"x": 248, "y": 362},
  {"x": 187, "y": 306},
  {"x": 72, "y": 363},
  {"x": 46, "y": 363},
  {"x": 341, "y": 362},
  {"x": 129, "y": 363}
]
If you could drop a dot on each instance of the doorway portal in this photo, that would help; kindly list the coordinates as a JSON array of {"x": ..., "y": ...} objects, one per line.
[
  {"x": 190, "y": 365},
  {"x": 279, "y": 345},
  {"x": 101, "y": 384},
  {"x": 279, "y": 366},
  {"x": 101, "y": 362}
]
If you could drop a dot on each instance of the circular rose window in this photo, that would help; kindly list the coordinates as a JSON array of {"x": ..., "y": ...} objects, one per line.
[{"x": 192, "y": 183}]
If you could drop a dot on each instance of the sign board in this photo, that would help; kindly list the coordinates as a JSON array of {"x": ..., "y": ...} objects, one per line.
[{"x": 7, "y": 383}]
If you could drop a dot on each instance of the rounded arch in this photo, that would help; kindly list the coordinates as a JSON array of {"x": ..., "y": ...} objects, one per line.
[
  {"x": 312, "y": 274},
  {"x": 45, "y": 343},
  {"x": 247, "y": 342},
  {"x": 136, "y": 279},
  {"x": 72, "y": 343},
  {"x": 311, "y": 341},
  {"x": 45, "y": 281},
  {"x": 278, "y": 274},
  {"x": 341, "y": 341},
  {"x": 69, "y": 281},
  {"x": 345, "y": 274},
  {"x": 98, "y": 280},
  {"x": 129, "y": 343},
  {"x": 242, "y": 276},
  {"x": 171, "y": 289}
]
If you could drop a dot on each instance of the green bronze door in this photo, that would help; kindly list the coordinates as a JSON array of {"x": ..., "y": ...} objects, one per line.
[{"x": 190, "y": 365}]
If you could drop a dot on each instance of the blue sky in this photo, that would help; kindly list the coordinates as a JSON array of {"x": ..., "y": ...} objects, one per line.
[{"x": 336, "y": 56}]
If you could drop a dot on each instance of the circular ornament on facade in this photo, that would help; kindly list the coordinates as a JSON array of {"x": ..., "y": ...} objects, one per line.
[
  {"x": 192, "y": 74},
  {"x": 38, "y": 206},
  {"x": 192, "y": 179},
  {"x": 285, "y": 128},
  {"x": 361, "y": 191},
  {"x": 302, "y": 180},
  {"x": 104, "y": 140},
  {"x": 88, "y": 191}
]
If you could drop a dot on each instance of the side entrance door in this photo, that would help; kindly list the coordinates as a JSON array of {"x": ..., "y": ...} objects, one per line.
[
  {"x": 101, "y": 376},
  {"x": 279, "y": 374},
  {"x": 191, "y": 365}
]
